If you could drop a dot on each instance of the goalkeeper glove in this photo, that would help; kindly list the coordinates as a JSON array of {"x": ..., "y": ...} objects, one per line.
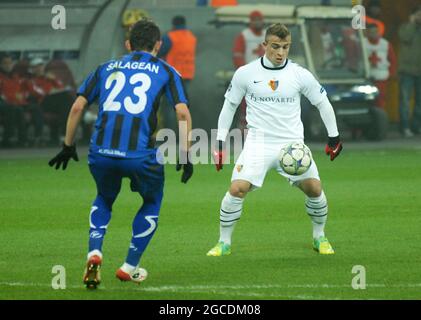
[
  {"x": 333, "y": 147},
  {"x": 219, "y": 155},
  {"x": 187, "y": 169},
  {"x": 63, "y": 157}
]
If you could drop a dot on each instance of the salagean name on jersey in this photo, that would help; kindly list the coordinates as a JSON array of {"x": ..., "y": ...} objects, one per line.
[{"x": 133, "y": 65}]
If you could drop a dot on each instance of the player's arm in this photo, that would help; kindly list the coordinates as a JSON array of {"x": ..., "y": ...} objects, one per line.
[
  {"x": 74, "y": 118},
  {"x": 233, "y": 96},
  {"x": 317, "y": 95},
  {"x": 87, "y": 93},
  {"x": 185, "y": 126},
  {"x": 224, "y": 124},
  {"x": 177, "y": 96},
  {"x": 69, "y": 149},
  {"x": 334, "y": 145}
]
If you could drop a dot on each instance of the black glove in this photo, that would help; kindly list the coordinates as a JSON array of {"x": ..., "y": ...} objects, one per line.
[
  {"x": 333, "y": 147},
  {"x": 64, "y": 156},
  {"x": 187, "y": 169}
]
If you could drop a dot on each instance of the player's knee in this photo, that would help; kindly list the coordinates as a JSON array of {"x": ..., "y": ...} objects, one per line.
[
  {"x": 238, "y": 191},
  {"x": 106, "y": 200},
  {"x": 314, "y": 192},
  {"x": 312, "y": 188},
  {"x": 153, "y": 196}
]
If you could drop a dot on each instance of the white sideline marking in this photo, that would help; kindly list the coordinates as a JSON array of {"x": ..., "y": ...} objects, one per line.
[
  {"x": 225, "y": 289},
  {"x": 185, "y": 289}
]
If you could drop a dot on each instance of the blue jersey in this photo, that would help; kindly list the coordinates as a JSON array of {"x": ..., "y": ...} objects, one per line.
[{"x": 129, "y": 91}]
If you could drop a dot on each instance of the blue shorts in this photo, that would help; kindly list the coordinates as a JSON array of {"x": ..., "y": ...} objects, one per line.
[{"x": 146, "y": 174}]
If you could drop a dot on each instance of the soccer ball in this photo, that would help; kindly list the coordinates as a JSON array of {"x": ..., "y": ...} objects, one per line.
[{"x": 295, "y": 158}]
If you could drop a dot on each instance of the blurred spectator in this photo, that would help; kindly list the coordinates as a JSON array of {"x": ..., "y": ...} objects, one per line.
[
  {"x": 410, "y": 73},
  {"x": 61, "y": 72},
  {"x": 21, "y": 69},
  {"x": 374, "y": 15},
  {"x": 179, "y": 50},
  {"x": 32, "y": 110},
  {"x": 352, "y": 49},
  {"x": 328, "y": 45},
  {"x": 248, "y": 46},
  {"x": 382, "y": 61},
  {"x": 223, "y": 3},
  {"x": 12, "y": 98},
  {"x": 49, "y": 94}
]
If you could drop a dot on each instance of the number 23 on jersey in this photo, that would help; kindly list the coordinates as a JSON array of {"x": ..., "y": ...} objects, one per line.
[{"x": 111, "y": 104}]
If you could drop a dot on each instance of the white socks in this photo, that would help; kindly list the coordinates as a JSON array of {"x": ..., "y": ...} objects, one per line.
[
  {"x": 317, "y": 210},
  {"x": 127, "y": 268},
  {"x": 231, "y": 209},
  {"x": 230, "y": 213},
  {"x": 94, "y": 253}
]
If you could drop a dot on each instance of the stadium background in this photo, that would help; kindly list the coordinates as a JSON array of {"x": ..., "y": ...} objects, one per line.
[{"x": 94, "y": 34}]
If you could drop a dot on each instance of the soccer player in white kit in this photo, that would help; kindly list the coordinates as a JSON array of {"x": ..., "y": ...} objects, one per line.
[{"x": 272, "y": 86}]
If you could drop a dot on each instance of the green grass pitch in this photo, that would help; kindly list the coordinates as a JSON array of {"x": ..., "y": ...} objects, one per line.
[{"x": 374, "y": 221}]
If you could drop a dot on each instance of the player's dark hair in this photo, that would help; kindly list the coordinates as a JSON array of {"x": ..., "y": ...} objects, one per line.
[
  {"x": 279, "y": 30},
  {"x": 143, "y": 35}
]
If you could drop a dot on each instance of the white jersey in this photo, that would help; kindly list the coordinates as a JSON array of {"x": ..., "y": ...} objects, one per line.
[{"x": 273, "y": 97}]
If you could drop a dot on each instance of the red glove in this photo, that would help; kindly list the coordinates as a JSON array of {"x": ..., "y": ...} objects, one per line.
[
  {"x": 333, "y": 147},
  {"x": 219, "y": 155}
]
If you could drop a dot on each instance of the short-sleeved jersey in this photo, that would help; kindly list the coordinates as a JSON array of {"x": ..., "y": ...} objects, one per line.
[
  {"x": 273, "y": 97},
  {"x": 129, "y": 90}
]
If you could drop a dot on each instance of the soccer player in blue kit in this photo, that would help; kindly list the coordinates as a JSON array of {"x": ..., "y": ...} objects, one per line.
[{"x": 128, "y": 90}]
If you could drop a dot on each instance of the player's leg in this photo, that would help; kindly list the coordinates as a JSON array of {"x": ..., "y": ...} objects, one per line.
[
  {"x": 229, "y": 214},
  {"x": 315, "y": 203},
  {"x": 249, "y": 173},
  {"x": 144, "y": 226},
  {"x": 108, "y": 183},
  {"x": 317, "y": 209},
  {"x": 149, "y": 183}
]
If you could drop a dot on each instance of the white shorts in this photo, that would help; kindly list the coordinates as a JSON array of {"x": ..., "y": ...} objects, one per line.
[{"x": 257, "y": 158}]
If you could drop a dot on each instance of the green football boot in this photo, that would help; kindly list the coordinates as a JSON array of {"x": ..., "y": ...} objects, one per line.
[
  {"x": 322, "y": 246},
  {"x": 221, "y": 249}
]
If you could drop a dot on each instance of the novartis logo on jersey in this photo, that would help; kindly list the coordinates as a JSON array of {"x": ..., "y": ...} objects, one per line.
[{"x": 272, "y": 99}]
